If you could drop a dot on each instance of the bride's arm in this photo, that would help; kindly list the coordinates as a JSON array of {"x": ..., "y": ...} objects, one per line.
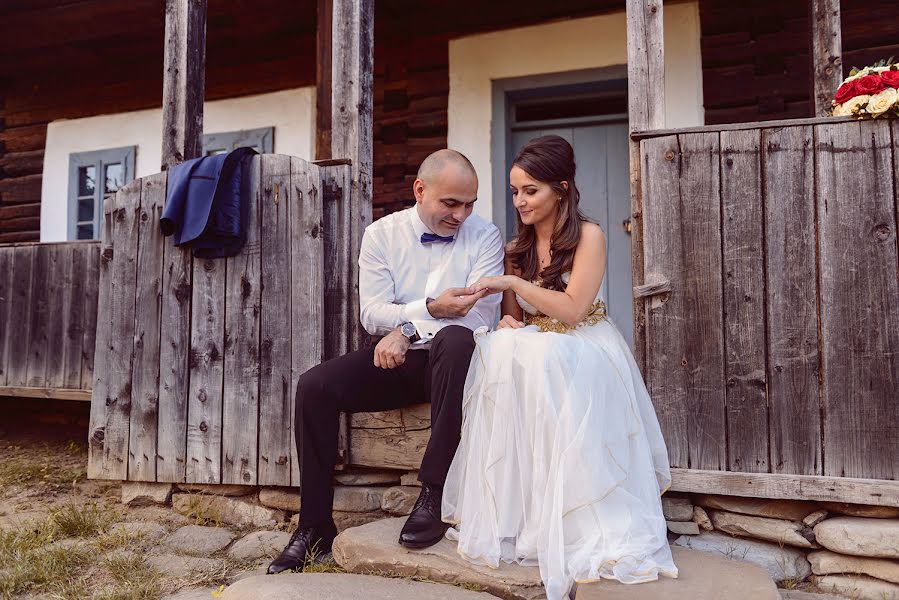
[
  {"x": 510, "y": 304},
  {"x": 572, "y": 305}
]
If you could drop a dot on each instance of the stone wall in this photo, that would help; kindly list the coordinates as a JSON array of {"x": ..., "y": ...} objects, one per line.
[{"x": 847, "y": 549}]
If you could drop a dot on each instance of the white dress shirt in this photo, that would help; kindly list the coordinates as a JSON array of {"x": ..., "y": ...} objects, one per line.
[{"x": 397, "y": 273}]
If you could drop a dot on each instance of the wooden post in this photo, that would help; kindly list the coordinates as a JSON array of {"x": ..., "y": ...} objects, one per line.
[
  {"x": 183, "y": 80},
  {"x": 352, "y": 57},
  {"x": 646, "y": 110},
  {"x": 323, "y": 81},
  {"x": 826, "y": 54}
]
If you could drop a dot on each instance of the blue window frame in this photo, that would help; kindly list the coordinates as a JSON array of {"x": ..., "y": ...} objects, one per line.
[
  {"x": 93, "y": 175},
  {"x": 221, "y": 143}
]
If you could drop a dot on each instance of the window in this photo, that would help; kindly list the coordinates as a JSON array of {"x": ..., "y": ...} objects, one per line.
[
  {"x": 93, "y": 175},
  {"x": 220, "y": 143}
]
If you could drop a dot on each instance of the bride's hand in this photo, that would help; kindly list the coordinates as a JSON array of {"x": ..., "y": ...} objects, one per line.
[
  {"x": 495, "y": 285},
  {"x": 511, "y": 322}
]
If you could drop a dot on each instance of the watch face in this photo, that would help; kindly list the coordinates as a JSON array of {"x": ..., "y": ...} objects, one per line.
[{"x": 408, "y": 329}]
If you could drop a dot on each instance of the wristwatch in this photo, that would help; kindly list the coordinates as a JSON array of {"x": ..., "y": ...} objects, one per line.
[{"x": 409, "y": 330}]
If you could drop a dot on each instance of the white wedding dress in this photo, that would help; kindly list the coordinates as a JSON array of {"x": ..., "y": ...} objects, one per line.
[{"x": 562, "y": 462}]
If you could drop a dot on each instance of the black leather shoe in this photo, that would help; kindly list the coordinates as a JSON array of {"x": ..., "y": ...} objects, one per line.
[
  {"x": 424, "y": 528},
  {"x": 307, "y": 543}
]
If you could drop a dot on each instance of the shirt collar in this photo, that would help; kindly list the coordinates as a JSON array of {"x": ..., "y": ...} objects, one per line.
[{"x": 417, "y": 224}]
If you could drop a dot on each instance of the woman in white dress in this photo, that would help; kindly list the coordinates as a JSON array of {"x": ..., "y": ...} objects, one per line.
[{"x": 562, "y": 462}]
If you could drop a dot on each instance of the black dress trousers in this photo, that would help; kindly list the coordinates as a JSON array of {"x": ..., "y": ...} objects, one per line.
[{"x": 352, "y": 383}]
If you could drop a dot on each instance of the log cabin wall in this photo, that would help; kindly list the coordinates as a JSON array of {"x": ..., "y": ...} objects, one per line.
[{"x": 755, "y": 59}]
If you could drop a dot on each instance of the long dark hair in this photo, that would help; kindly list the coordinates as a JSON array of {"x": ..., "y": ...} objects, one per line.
[{"x": 549, "y": 159}]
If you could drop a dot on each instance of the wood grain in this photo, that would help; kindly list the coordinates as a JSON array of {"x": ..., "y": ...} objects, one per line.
[
  {"x": 143, "y": 429},
  {"x": 859, "y": 287},
  {"x": 240, "y": 416},
  {"x": 275, "y": 397},
  {"x": 743, "y": 281},
  {"x": 826, "y": 53},
  {"x": 792, "y": 301}
]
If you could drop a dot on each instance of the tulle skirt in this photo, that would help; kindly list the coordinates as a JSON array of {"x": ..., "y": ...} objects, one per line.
[{"x": 562, "y": 462}]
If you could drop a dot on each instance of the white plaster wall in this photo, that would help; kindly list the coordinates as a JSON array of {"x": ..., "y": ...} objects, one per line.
[
  {"x": 557, "y": 47},
  {"x": 290, "y": 112}
]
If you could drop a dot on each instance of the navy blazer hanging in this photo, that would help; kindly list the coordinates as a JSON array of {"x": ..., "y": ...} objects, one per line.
[{"x": 207, "y": 202}]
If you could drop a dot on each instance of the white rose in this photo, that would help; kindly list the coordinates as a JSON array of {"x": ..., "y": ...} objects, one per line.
[
  {"x": 839, "y": 110},
  {"x": 853, "y": 105},
  {"x": 882, "y": 102}
]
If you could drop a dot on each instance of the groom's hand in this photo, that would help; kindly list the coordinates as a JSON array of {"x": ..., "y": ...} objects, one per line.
[
  {"x": 455, "y": 302},
  {"x": 391, "y": 350}
]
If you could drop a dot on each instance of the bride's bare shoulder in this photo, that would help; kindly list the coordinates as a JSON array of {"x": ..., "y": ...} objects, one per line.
[{"x": 592, "y": 233}]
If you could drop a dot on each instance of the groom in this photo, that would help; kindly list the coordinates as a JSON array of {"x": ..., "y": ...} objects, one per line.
[{"x": 415, "y": 267}]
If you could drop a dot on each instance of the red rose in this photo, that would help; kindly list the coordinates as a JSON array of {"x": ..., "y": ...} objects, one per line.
[
  {"x": 846, "y": 92},
  {"x": 890, "y": 78},
  {"x": 869, "y": 84}
]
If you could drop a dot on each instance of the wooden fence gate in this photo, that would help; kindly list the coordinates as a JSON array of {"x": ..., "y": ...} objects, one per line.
[
  {"x": 776, "y": 349},
  {"x": 197, "y": 360}
]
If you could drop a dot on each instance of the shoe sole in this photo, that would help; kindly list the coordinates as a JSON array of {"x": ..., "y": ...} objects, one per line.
[
  {"x": 419, "y": 545},
  {"x": 318, "y": 559}
]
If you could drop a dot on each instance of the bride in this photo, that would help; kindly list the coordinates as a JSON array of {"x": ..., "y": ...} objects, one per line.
[{"x": 562, "y": 462}]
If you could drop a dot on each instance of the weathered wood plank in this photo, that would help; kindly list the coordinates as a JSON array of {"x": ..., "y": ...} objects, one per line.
[
  {"x": 336, "y": 183},
  {"x": 38, "y": 343},
  {"x": 59, "y": 312},
  {"x": 6, "y": 303},
  {"x": 147, "y": 324},
  {"x": 90, "y": 315},
  {"x": 174, "y": 369},
  {"x": 204, "y": 413},
  {"x": 641, "y": 134},
  {"x": 275, "y": 397},
  {"x": 646, "y": 110},
  {"x": 393, "y": 448},
  {"x": 416, "y": 417},
  {"x": 240, "y": 413},
  {"x": 100, "y": 402},
  {"x": 184, "y": 77},
  {"x": 788, "y": 487},
  {"x": 826, "y": 53},
  {"x": 744, "y": 302},
  {"x": 323, "y": 31},
  {"x": 306, "y": 277},
  {"x": 111, "y": 462},
  {"x": 859, "y": 287},
  {"x": 74, "y": 309},
  {"x": 792, "y": 307},
  {"x": 352, "y": 58},
  {"x": 47, "y": 393},
  {"x": 685, "y": 370}
]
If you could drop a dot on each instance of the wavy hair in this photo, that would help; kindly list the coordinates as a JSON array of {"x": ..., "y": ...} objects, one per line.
[{"x": 549, "y": 159}]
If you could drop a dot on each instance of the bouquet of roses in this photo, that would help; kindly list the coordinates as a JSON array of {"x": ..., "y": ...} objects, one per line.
[{"x": 870, "y": 92}]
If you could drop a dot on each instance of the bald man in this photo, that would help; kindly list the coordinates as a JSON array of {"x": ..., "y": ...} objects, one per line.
[{"x": 415, "y": 269}]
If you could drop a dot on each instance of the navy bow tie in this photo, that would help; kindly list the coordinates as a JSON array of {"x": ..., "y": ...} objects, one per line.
[{"x": 427, "y": 238}]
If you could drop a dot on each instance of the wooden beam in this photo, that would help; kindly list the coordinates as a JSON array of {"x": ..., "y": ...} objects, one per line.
[
  {"x": 827, "y": 53},
  {"x": 789, "y": 487},
  {"x": 352, "y": 77},
  {"x": 46, "y": 393},
  {"x": 183, "y": 86},
  {"x": 646, "y": 110},
  {"x": 776, "y": 124},
  {"x": 323, "y": 80}
]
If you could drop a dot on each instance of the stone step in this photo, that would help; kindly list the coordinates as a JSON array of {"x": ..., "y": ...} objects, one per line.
[
  {"x": 341, "y": 586},
  {"x": 374, "y": 548}
]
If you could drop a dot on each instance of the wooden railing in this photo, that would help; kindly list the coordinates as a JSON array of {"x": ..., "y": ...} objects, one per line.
[{"x": 48, "y": 319}]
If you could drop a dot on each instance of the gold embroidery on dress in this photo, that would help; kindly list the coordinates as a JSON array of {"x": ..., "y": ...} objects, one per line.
[{"x": 597, "y": 313}]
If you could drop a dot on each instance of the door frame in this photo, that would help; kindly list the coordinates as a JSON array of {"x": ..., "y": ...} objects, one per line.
[{"x": 505, "y": 92}]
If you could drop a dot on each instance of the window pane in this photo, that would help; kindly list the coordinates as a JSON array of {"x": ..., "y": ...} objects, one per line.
[
  {"x": 86, "y": 178},
  {"x": 86, "y": 232},
  {"x": 115, "y": 177},
  {"x": 85, "y": 209}
]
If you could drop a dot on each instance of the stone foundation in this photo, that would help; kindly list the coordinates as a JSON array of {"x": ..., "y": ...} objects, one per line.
[{"x": 844, "y": 549}]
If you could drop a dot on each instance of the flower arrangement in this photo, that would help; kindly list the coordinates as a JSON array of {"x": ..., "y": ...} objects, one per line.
[{"x": 870, "y": 92}]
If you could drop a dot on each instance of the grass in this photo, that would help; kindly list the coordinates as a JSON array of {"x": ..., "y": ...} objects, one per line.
[
  {"x": 201, "y": 510},
  {"x": 37, "y": 565},
  {"x": 134, "y": 578}
]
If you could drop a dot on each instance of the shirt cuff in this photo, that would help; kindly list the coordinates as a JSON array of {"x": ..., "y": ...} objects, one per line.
[{"x": 416, "y": 310}]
